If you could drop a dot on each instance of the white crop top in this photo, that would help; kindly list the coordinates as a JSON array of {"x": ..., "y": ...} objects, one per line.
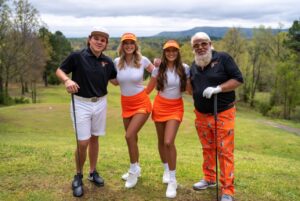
[
  {"x": 172, "y": 86},
  {"x": 131, "y": 78}
]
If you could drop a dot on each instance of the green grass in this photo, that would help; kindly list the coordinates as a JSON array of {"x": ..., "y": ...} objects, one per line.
[{"x": 37, "y": 143}]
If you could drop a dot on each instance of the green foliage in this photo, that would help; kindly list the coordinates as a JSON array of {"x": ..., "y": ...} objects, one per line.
[
  {"x": 21, "y": 100},
  {"x": 294, "y": 37},
  {"x": 61, "y": 48},
  {"x": 52, "y": 79},
  {"x": 264, "y": 108},
  {"x": 275, "y": 112}
]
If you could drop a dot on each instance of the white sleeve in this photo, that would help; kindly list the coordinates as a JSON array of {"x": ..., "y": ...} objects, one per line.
[
  {"x": 187, "y": 70},
  {"x": 154, "y": 72},
  {"x": 145, "y": 62},
  {"x": 116, "y": 62}
]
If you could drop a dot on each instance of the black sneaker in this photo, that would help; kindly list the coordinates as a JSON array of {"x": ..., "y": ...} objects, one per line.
[
  {"x": 77, "y": 185},
  {"x": 94, "y": 177}
]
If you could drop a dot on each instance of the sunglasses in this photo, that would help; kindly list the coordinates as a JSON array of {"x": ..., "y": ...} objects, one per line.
[{"x": 202, "y": 44}]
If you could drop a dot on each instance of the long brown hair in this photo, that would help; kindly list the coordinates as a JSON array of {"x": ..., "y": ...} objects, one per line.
[
  {"x": 162, "y": 75},
  {"x": 137, "y": 56}
]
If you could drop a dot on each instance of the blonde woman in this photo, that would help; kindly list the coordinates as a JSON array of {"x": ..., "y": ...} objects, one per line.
[{"x": 136, "y": 105}]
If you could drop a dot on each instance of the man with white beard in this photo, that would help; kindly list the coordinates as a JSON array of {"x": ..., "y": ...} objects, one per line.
[{"x": 214, "y": 72}]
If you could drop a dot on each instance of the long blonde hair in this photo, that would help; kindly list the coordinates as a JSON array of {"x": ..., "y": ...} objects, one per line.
[{"x": 137, "y": 56}]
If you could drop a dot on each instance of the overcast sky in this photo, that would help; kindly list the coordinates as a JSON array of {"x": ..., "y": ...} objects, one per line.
[{"x": 75, "y": 18}]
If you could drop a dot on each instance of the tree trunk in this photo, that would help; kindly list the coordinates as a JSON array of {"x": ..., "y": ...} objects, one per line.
[
  {"x": 1, "y": 88},
  {"x": 45, "y": 78},
  {"x": 33, "y": 91}
]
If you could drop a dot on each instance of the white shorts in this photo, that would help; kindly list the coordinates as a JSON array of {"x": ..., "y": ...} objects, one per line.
[{"x": 90, "y": 117}]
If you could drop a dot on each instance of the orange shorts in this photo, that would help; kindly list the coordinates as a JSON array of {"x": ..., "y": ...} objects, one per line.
[
  {"x": 166, "y": 109},
  {"x": 139, "y": 103}
]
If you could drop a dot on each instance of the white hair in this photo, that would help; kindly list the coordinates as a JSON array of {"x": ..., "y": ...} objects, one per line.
[{"x": 199, "y": 36}]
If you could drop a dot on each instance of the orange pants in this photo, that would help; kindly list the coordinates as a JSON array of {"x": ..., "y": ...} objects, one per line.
[{"x": 205, "y": 125}]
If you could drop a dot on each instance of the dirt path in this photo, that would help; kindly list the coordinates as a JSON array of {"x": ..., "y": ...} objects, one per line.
[{"x": 283, "y": 127}]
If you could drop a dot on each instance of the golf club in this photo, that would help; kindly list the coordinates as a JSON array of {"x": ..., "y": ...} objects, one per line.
[
  {"x": 76, "y": 134},
  {"x": 216, "y": 142},
  {"x": 77, "y": 143}
]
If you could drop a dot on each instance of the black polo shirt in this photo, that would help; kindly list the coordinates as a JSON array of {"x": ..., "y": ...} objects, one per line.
[
  {"x": 221, "y": 69},
  {"x": 89, "y": 72}
]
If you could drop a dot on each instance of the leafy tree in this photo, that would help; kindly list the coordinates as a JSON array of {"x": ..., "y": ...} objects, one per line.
[
  {"x": 289, "y": 87},
  {"x": 44, "y": 35},
  {"x": 260, "y": 61},
  {"x": 61, "y": 47},
  {"x": 294, "y": 37},
  {"x": 25, "y": 26},
  {"x": 186, "y": 53},
  {"x": 234, "y": 43}
]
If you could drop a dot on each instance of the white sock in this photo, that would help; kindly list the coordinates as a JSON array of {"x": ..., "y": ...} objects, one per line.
[
  {"x": 166, "y": 166},
  {"x": 172, "y": 175},
  {"x": 133, "y": 167}
]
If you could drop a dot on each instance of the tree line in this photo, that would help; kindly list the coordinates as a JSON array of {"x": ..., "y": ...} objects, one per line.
[
  {"x": 270, "y": 62},
  {"x": 29, "y": 52}
]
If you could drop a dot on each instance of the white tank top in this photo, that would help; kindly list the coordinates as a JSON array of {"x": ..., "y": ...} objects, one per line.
[
  {"x": 172, "y": 86},
  {"x": 130, "y": 78}
]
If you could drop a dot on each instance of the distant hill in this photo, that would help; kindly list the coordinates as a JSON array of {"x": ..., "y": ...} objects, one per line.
[{"x": 213, "y": 32}]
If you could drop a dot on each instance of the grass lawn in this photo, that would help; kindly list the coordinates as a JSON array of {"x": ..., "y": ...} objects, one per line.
[{"x": 37, "y": 143}]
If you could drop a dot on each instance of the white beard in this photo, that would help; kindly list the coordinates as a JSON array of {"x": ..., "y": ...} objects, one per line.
[{"x": 203, "y": 60}]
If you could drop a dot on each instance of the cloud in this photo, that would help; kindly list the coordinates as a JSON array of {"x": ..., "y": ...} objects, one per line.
[{"x": 151, "y": 17}]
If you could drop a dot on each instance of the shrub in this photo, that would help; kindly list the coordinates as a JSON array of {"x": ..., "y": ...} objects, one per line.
[
  {"x": 21, "y": 100},
  {"x": 264, "y": 108},
  {"x": 275, "y": 112}
]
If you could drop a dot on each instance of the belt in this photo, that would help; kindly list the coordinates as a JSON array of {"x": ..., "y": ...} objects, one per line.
[{"x": 92, "y": 99}]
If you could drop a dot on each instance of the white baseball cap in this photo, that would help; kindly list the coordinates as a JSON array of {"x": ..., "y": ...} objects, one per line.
[{"x": 99, "y": 31}]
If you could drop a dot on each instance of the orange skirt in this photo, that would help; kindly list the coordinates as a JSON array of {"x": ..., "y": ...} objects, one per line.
[
  {"x": 166, "y": 109},
  {"x": 139, "y": 103}
]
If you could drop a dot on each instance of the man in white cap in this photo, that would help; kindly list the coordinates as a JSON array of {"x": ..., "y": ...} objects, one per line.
[
  {"x": 214, "y": 72},
  {"x": 91, "y": 70}
]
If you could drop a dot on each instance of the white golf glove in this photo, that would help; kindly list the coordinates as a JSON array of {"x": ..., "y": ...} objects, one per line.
[{"x": 209, "y": 91}]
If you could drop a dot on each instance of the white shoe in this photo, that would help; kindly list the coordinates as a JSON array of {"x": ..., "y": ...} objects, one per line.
[
  {"x": 166, "y": 177},
  {"x": 132, "y": 179},
  {"x": 125, "y": 175},
  {"x": 171, "y": 189},
  {"x": 226, "y": 198},
  {"x": 202, "y": 185}
]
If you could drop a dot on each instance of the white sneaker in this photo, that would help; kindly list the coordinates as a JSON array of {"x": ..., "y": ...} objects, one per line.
[
  {"x": 166, "y": 177},
  {"x": 125, "y": 175},
  {"x": 132, "y": 179},
  {"x": 202, "y": 185},
  {"x": 171, "y": 189},
  {"x": 226, "y": 197}
]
